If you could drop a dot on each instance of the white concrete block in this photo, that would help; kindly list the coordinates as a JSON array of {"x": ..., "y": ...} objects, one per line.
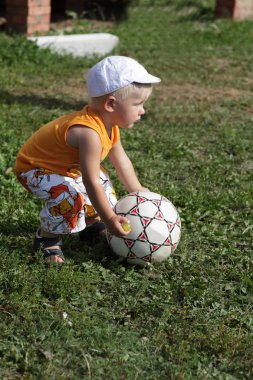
[{"x": 79, "y": 45}]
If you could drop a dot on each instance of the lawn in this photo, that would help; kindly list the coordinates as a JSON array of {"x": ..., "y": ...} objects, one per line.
[{"x": 93, "y": 318}]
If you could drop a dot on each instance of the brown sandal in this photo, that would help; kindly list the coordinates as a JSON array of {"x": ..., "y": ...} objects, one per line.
[{"x": 46, "y": 242}]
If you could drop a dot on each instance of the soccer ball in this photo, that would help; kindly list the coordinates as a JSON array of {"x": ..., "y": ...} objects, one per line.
[{"x": 155, "y": 228}]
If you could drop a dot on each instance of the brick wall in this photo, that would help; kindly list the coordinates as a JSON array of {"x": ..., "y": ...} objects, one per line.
[
  {"x": 243, "y": 9},
  {"x": 236, "y": 9},
  {"x": 28, "y": 16}
]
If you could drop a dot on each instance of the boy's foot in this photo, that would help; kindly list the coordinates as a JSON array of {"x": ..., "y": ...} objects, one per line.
[
  {"x": 51, "y": 248},
  {"x": 53, "y": 255},
  {"x": 92, "y": 232}
]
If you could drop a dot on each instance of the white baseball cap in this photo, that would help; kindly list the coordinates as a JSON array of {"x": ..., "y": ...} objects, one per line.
[{"x": 115, "y": 72}]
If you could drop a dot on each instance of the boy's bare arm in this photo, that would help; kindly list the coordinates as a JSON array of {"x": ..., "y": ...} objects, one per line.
[
  {"x": 89, "y": 145},
  {"x": 125, "y": 169}
]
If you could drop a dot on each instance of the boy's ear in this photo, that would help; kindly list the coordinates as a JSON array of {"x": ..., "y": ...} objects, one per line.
[{"x": 109, "y": 103}]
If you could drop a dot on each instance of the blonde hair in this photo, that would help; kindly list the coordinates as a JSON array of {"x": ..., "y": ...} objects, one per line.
[{"x": 124, "y": 92}]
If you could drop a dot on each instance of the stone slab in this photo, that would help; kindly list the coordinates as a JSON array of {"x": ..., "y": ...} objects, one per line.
[{"x": 79, "y": 45}]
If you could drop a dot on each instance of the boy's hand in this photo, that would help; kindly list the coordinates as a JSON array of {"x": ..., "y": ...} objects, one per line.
[
  {"x": 115, "y": 225},
  {"x": 144, "y": 189}
]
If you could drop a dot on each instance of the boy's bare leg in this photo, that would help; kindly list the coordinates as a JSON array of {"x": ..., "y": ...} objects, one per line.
[
  {"x": 92, "y": 220},
  {"x": 94, "y": 228}
]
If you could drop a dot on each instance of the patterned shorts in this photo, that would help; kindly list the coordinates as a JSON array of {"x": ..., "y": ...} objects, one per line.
[{"x": 67, "y": 204}]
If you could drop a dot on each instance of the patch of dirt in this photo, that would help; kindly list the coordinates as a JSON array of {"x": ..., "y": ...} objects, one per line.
[
  {"x": 88, "y": 26},
  {"x": 75, "y": 88},
  {"x": 196, "y": 92}
]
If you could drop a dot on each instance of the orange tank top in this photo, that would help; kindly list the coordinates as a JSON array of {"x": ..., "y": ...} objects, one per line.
[{"x": 47, "y": 148}]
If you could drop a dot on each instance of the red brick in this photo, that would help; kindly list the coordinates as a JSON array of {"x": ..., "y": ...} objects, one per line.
[
  {"x": 39, "y": 19},
  {"x": 32, "y": 28},
  {"x": 28, "y": 3},
  {"x": 243, "y": 9},
  {"x": 39, "y": 3},
  {"x": 236, "y": 9},
  {"x": 28, "y": 15},
  {"x": 44, "y": 4},
  {"x": 29, "y": 10},
  {"x": 40, "y": 11}
]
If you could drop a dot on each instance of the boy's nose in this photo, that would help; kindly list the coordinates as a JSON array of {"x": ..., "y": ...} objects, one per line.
[{"x": 142, "y": 111}]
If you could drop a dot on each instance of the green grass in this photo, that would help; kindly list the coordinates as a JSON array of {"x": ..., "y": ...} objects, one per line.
[{"x": 191, "y": 317}]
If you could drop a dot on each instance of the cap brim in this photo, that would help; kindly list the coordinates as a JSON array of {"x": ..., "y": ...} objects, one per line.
[{"x": 148, "y": 79}]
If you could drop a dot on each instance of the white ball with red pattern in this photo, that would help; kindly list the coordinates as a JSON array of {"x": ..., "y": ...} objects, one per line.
[{"x": 155, "y": 228}]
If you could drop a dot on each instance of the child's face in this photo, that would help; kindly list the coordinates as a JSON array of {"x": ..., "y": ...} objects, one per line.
[{"x": 129, "y": 110}]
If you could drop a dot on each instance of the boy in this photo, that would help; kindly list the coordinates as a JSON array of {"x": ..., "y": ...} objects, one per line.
[{"x": 60, "y": 163}]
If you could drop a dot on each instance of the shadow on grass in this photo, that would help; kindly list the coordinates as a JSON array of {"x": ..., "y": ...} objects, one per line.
[
  {"x": 18, "y": 241},
  {"x": 98, "y": 252},
  {"x": 79, "y": 251},
  {"x": 17, "y": 236},
  {"x": 40, "y": 101}
]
